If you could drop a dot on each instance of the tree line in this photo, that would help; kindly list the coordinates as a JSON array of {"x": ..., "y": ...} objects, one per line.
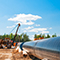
[
  {"x": 24, "y": 37},
  {"x": 44, "y": 36},
  {"x": 19, "y": 38}
]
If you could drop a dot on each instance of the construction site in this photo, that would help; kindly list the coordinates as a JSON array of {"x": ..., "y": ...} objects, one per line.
[
  {"x": 29, "y": 29},
  {"x": 38, "y": 49},
  {"x": 9, "y": 50}
]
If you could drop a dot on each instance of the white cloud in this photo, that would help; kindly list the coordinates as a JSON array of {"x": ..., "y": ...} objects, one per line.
[
  {"x": 37, "y": 24},
  {"x": 23, "y": 18},
  {"x": 29, "y": 28},
  {"x": 37, "y": 29},
  {"x": 50, "y": 28},
  {"x": 26, "y": 23},
  {"x": 10, "y": 26},
  {"x": 44, "y": 32},
  {"x": 24, "y": 31}
]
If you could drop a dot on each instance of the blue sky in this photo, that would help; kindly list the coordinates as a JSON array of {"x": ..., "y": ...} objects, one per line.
[{"x": 35, "y": 16}]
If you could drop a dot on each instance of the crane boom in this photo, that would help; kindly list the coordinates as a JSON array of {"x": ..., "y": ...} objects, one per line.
[{"x": 16, "y": 33}]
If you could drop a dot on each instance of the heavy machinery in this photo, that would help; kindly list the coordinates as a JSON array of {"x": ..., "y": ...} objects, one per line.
[
  {"x": 7, "y": 42},
  {"x": 16, "y": 33},
  {"x": 48, "y": 49}
]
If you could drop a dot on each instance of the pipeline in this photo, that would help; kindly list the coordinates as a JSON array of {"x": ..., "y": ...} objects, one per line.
[{"x": 48, "y": 49}]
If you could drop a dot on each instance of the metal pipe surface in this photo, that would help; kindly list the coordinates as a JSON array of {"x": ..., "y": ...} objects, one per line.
[{"x": 45, "y": 48}]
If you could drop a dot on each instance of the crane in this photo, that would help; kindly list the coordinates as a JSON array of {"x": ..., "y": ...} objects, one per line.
[{"x": 16, "y": 32}]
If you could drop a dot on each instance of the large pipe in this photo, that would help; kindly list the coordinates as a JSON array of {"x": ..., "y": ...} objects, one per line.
[{"x": 46, "y": 48}]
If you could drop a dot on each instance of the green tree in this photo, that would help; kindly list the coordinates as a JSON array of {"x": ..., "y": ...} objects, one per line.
[
  {"x": 43, "y": 35},
  {"x": 11, "y": 36},
  {"x": 21, "y": 37},
  {"x": 54, "y": 35},
  {"x": 25, "y": 37},
  {"x": 0, "y": 36},
  {"x": 17, "y": 38},
  {"x": 6, "y": 36},
  {"x": 38, "y": 36},
  {"x": 3, "y": 37},
  {"x": 35, "y": 36},
  {"x": 48, "y": 36}
]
